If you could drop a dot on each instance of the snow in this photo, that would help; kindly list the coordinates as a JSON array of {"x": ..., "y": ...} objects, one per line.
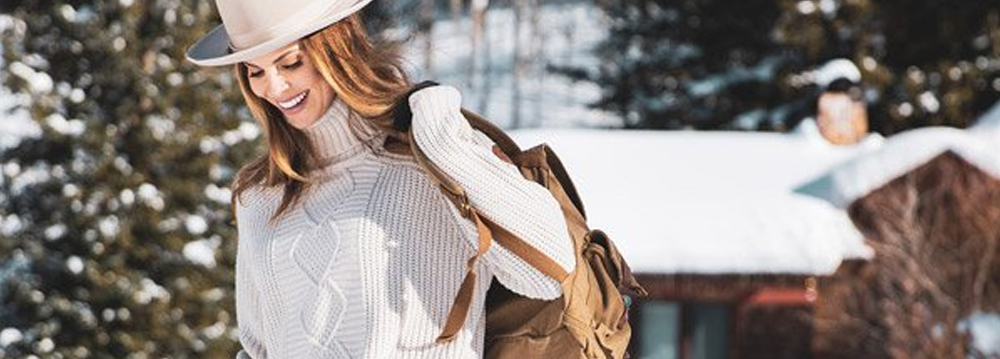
[
  {"x": 218, "y": 194},
  {"x": 149, "y": 290},
  {"x": 762, "y": 72},
  {"x": 61, "y": 125},
  {"x": 709, "y": 202},
  {"x": 10, "y": 225},
  {"x": 45, "y": 346},
  {"x": 829, "y": 7},
  {"x": 55, "y": 231},
  {"x": 985, "y": 330},
  {"x": 988, "y": 125},
  {"x": 902, "y": 153},
  {"x": 195, "y": 225},
  {"x": 160, "y": 127},
  {"x": 929, "y": 102},
  {"x": 17, "y": 124},
  {"x": 74, "y": 264},
  {"x": 569, "y": 32},
  {"x": 150, "y": 195},
  {"x": 70, "y": 190},
  {"x": 127, "y": 197},
  {"x": 109, "y": 226},
  {"x": 38, "y": 82},
  {"x": 34, "y": 175},
  {"x": 806, "y": 7},
  {"x": 836, "y": 69},
  {"x": 10, "y": 336},
  {"x": 201, "y": 252}
]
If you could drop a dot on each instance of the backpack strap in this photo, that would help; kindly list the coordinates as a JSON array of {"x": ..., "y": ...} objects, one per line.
[
  {"x": 512, "y": 150},
  {"x": 498, "y": 136}
]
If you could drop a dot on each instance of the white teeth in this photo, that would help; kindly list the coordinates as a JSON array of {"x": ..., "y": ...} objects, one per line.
[{"x": 291, "y": 103}]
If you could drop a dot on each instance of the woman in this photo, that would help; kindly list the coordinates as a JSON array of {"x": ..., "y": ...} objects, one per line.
[{"x": 347, "y": 250}]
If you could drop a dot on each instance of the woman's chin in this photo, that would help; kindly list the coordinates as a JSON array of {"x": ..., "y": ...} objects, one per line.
[{"x": 300, "y": 122}]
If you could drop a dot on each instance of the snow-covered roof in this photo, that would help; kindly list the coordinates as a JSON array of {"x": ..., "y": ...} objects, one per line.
[
  {"x": 985, "y": 330},
  {"x": 989, "y": 124},
  {"x": 709, "y": 202},
  {"x": 904, "y": 152}
]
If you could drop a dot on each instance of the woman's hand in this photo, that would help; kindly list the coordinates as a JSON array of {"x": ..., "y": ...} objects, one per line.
[{"x": 500, "y": 154}]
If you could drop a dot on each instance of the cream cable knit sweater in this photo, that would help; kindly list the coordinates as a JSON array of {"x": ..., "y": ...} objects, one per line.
[{"x": 369, "y": 264}]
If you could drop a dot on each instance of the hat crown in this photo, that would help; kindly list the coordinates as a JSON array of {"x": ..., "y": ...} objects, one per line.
[{"x": 251, "y": 22}]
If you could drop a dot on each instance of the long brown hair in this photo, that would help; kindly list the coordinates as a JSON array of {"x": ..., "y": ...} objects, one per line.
[{"x": 367, "y": 77}]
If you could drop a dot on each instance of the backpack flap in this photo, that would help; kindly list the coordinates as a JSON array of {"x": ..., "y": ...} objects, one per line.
[
  {"x": 626, "y": 281},
  {"x": 536, "y": 165}
]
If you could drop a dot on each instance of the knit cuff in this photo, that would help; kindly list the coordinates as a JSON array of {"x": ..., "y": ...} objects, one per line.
[{"x": 441, "y": 102}]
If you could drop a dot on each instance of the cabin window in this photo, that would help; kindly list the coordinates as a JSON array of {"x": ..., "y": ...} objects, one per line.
[
  {"x": 661, "y": 330},
  {"x": 677, "y": 330}
]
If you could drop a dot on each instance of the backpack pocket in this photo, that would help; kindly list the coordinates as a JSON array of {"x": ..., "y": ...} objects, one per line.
[{"x": 597, "y": 312}]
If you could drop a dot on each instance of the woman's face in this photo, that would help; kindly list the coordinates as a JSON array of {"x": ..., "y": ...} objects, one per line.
[{"x": 288, "y": 80}]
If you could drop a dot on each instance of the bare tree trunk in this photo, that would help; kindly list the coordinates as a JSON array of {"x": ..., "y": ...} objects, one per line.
[
  {"x": 519, "y": 65},
  {"x": 478, "y": 72},
  {"x": 537, "y": 58},
  {"x": 456, "y": 10},
  {"x": 993, "y": 23},
  {"x": 477, "y": 12},
  {"x": 425, "y": 27}
]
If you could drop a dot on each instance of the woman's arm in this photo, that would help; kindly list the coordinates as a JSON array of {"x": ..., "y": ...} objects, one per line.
[{"x": 495, "y": 188}]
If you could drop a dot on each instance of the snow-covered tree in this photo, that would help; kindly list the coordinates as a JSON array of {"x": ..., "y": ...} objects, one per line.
[{"x": 116, "y": 236}]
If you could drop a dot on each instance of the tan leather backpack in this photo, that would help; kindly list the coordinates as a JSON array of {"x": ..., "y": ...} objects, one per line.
[{"x": 590, "y": 319}]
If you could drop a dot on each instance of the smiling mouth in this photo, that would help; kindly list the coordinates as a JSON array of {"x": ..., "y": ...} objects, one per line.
[{"x": 297, "y": 100}]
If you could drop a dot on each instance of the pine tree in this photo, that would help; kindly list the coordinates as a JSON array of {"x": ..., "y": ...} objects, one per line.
[
  {"x": 687, "y": 64},
  {"x": 924, "y": 64},
  {"x": 117, "y": 239},
  {"x": 945, "y": 60},
  {"x": 712, "y": 64}
]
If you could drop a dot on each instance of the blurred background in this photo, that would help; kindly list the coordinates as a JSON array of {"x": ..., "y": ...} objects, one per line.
[{"x": 814, "y": 178}]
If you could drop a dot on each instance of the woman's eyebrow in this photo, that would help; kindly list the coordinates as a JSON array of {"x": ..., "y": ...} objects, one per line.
[{"x": 277, "y": 60}]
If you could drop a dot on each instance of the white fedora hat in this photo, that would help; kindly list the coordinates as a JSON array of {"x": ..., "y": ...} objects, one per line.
[{"x": 251, "y": 28}]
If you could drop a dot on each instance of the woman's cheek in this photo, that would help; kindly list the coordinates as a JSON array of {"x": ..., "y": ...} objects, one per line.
[{"x": 256, "y": 86}]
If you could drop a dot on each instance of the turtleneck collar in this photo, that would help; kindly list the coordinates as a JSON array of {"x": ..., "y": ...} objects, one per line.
[{"x": 331, "y": 134}]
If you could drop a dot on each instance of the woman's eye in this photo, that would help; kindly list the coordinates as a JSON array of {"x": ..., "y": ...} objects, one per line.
[
  {"x": 293, "y": 65},
  {"x": 257, "y": 73}
]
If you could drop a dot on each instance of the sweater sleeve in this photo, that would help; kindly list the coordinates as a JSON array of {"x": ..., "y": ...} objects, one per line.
[{"x": 496, "y": 189}]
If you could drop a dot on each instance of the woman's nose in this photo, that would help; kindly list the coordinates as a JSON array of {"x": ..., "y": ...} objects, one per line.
[{"x": 277, "y": 84}]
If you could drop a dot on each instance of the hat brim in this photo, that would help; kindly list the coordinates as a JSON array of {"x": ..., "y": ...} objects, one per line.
[{"x": 214, "y": 49}]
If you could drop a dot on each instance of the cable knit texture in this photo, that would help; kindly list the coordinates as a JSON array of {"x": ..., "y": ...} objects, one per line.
[{"x": 368, "y": 265}]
